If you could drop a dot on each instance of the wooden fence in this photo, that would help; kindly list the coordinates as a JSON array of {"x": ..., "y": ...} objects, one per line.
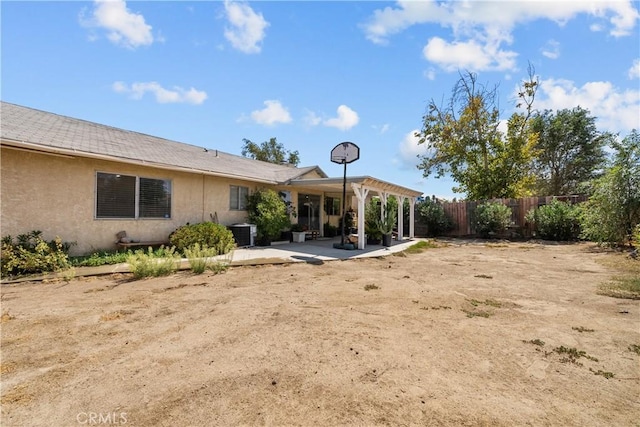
[{"x": 461, "y": 213}]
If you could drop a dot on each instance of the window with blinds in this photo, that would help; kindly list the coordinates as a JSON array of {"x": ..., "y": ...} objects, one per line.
[
  {"x": 238, "y": 198},
  {"x": 126, "y": 196}
]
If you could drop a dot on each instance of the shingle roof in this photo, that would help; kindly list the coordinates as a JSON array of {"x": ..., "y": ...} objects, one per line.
[{"x": 53, "y": 131}]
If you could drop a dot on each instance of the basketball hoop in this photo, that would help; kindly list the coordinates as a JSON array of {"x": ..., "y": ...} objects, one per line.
[{"x": 343, "y": 153}]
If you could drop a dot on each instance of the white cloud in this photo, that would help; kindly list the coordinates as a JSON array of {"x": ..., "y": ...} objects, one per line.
[
  {"x": 124, "y": 28},
  {"x": 615, "y": 110},
  {"x": 482, "y": 29},
  {"x": 162, "y": 95},
  {"x": 634, "y": 71},
  {"x": 430, "y": 74},
  {"x": 382, "y": 129},
  {"x": 409, "y": 150},
  {"x": 551, "y": 50},
  {"x": 247, "y": 28},
  {"x": 273, "y": 113},
  {"x": 347, "y": 118},
  {"x": 463, "y": 16},
  {"x": 469, "y": 55},
  {"x": 311, "y": 119}
]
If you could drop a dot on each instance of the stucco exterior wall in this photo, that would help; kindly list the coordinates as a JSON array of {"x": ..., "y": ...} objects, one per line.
[{"x": 56, "y": 195}]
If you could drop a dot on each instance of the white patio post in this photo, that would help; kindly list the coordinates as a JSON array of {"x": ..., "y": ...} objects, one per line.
[
  {"x": 361, "y": 193},
  {"x": 400, "y": 217},
  {"x": 383, "y": 207},
  {"x": 321, "y": 215},
  {"x": 412, "y": 204}
]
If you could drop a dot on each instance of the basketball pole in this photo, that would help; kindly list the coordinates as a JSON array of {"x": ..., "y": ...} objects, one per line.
[{"x": 344, "y": 196}]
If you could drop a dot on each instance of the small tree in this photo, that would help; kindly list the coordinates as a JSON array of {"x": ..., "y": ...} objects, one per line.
[{"x": 268, "y": 211}]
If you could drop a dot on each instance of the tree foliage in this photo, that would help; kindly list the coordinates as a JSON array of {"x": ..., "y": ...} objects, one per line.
[
  {"x": 613, "y": 210},
  {"x": 268, "y": 211},
  {"x": 570, "y": 150},
  {"x": 270, "y": 151},
  {"x": 464, "y": 140}
]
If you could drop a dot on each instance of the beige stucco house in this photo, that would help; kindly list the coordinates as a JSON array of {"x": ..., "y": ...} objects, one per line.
[{"x": 85, "y": 182}]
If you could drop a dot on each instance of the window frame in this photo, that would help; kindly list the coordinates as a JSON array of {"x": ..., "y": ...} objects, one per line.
[
  {"x": 330, "y": 207},
  {"x": 242, "y": 199},
  {"x": 137, "y": 197}
]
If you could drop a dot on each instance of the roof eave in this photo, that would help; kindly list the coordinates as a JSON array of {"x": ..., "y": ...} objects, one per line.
[{"x": 71, "y": 153}]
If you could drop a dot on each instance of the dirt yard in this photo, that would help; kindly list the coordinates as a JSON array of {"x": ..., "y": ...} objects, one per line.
[{"x": 467, "y": 334}]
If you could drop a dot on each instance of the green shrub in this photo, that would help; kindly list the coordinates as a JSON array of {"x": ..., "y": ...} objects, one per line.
[
  {"x": 30, "y": 254},
  {"x": 162, "y": 262},
  {"x": 556, "y": 221},
  {"x": 433, "y": 216},
  {"x": 214, "y": 236},
  {"x": 202, "y": 259},
  {"x": 95, "y": 259},
  {"x": 613, "y": 210},
  {"x": 490, "y": 218},
  {"x": 269, "y": 213},
  {"x": 635, "y": 236}
]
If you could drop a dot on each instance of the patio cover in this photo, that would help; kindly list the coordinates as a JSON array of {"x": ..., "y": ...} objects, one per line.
[{"x": 361, "y": 186}]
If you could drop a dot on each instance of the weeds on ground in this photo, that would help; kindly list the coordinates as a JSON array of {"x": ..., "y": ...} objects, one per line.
[
  {"x": 635, "y": 348},
  {"x": 489, "y": 302},
  {"x": 160, "y": 262},
  {"x": 202, "y": 259},
  {"x": 581, "y": 329},
  {"x": 69, "y": 275},
  {"x": 371, "y": 287},
  {"x": 621, "y": 287},
  {"x": 476, "y": 313},
  {"x": 481, "y": 313},
  {"x": 627, "y": 284},
  {"x": 421, "y": 246},
  {"x": 607, "y": 375},
  {"x": 571, "y": 354}
]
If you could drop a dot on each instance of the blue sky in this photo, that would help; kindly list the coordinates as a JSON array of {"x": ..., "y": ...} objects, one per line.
[{"x": 314, "y": 73}]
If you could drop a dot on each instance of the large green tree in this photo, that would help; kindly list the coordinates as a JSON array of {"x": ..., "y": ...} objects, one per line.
[
  {"x": 464, "y": 140},
  {"x": 570, "y": 150},
  {"x": 613, "y": 210},
  {"x": 270, "y": 151}
]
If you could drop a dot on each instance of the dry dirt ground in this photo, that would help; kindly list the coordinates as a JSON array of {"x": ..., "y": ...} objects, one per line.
[{"x": 450, "y": 336}]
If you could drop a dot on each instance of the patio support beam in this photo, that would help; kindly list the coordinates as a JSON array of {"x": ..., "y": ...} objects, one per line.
[
  {"x": 361, "y": 194},
  {"x": 400, "y": 217},
  {"x": 383, "y": 199},
  {"x": 321, "y": 215},
  {"x": 412, "y": 209}
]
